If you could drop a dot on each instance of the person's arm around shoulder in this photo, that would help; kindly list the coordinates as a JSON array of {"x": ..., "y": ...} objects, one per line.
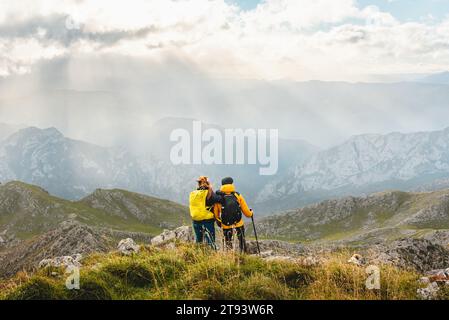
[
  {"x": 210, "y": 191},
  {"x": 212, "y": 197},
  {"x": 244, "y": 206}
]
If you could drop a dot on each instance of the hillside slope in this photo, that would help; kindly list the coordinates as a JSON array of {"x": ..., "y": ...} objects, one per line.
[
  {"x": 190, "y": 272},
  {"x": 375, "y": 218},
  {"x": 66, "y": 240},
  {"x": 131, "y": 206},
  {"x": 27, "y": 210}
]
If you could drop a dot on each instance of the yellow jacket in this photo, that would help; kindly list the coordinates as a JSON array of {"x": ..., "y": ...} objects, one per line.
[{"x": 228, "y": 189}]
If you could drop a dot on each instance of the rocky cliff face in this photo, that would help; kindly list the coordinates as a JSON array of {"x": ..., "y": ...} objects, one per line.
[{"x": 365, "y": 164}]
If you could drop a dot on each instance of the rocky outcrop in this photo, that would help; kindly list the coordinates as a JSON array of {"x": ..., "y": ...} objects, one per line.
[
  {"x": 7, "y": 240},
  {"x": 128, "y": 247},
  {"x": 430, "y": 292},
  {"x": 68, "y": 239},
  {"x": 418, "y": 254},
  {"x": 434, "y": 281},
  {"x": 357, "y": 259},
  {"x": 439, "y": 236},
  {"x": 183, "y": 234},
  {"x": 64, "y": 261}
]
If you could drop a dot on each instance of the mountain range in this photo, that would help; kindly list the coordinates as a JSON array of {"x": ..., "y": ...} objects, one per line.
[
  {"x": 365, "y": 164},
  {"x": 35, "y": 225},
  {"x": 73, "y": 169}
]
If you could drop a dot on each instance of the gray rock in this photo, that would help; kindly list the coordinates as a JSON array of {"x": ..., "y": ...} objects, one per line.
[
  {"x": 7, "y": 240},
  {"x": 424, "y": 280},
  {"x": 357, "y": 259},
  {"x": 440, "y": 237},
  {"x": 183, "y": 234},
  {"x": 439, "y": 272},
  {"x": 418, "y": 254},
  {"x": 430, "y": 292},
  {"x": 64, "y": 261},
  {"x": 128, "y": 247},
  {"x": 68, "y": 239}
]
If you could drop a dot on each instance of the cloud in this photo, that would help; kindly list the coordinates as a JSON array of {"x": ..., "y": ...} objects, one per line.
[
  {"x": 296, "y": 39},
  {"x": 61, "y": 29}
]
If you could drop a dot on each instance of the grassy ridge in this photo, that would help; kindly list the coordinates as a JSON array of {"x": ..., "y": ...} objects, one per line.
[
  {"x": 390, "y": 213},
  {"x": 190, "y": 272},
  {"x": 28, "y": 211}
]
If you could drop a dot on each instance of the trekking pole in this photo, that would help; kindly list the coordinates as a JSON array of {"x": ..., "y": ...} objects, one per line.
[{"x": 255, "y": 234}]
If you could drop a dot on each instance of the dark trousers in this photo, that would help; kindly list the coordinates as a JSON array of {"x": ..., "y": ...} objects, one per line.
[
  {"x": 205, "y": 231},
  {"x": 228, "y": 235}
]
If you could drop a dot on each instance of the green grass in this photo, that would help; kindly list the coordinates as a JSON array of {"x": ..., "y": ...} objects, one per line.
[{"x": 191, "y": 272}]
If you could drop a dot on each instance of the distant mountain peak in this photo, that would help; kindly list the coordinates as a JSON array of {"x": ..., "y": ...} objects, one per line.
[
  {"x": 19, "y": 185},
  {"x": 37, "y": 132}
]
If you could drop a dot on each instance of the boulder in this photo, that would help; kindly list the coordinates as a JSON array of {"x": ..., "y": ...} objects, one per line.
[
  {"x": 183, "y": 234},
  {"x": 439, "y": 275},
  {"x": 357, "y": 259},
  {"x": 63, "y": 261},
  {"x": 128, "y": 247},
  {"x": 428, "y": 293}
]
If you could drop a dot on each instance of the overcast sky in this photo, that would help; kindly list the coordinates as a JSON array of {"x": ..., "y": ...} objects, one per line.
[
  {"x": 270, "y": 39},
  {"x": 99, "y": 69}
]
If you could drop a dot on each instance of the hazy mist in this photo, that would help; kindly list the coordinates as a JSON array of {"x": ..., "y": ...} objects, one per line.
[{"x": 110, "y": 99}]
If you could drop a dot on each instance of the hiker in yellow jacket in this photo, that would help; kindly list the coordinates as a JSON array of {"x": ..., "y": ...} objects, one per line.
[
  {"x": 228, "y": 213},
  {"x": 201, "y": 203}
]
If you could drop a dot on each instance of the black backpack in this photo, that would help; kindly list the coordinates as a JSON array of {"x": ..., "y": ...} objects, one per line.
[{"x": 231, "y": 212}]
